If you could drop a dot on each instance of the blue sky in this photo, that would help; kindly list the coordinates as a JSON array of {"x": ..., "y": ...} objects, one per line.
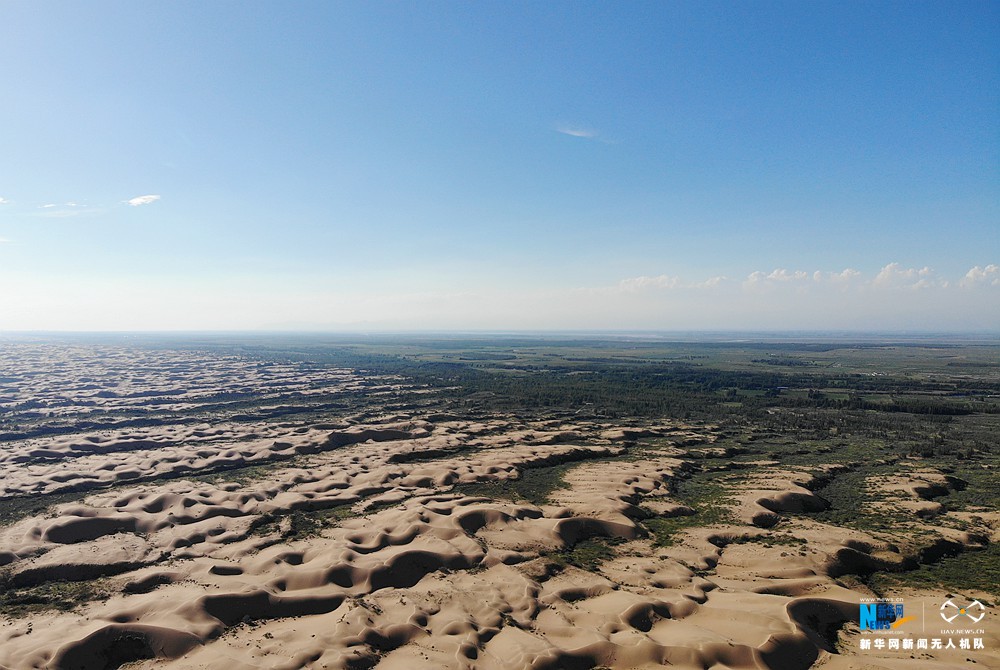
[{"x": 500, "y": 165}]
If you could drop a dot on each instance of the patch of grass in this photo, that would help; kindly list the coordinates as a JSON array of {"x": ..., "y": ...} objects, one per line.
[
  {"x": 13, "y": 510},
  {"x": 851, "y": 502},
  {"x": 587, "y": 554},
  {"x": 535, "y": 485},
  {"x": 703, "y": 493},
  {"x": 770, "y": 540},
  {"x": 665, "y": 529},
  {"x": 983, "y": 489},
  {"x": 242, "y": 475},
  {"x": 302, "y": 524},
  {"x": 375, "y": 508},
  {"x": 590, "y": 554},
  {"x": 57, "y": 595}
]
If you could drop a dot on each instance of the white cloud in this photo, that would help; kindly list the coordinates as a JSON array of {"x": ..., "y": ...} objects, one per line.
[
  {"x": 65, "y": 210},
  {"x": 642, "y": 283},
  {"x": 4, "y": 240},
  {"x": 776, "y": 276},
  {"x": 896, "y": 276},
  {"x": 978, "y": 276},
  {"x": 785, "y": 275},
  {"x": 711, "y": 282},
  {"x": 890, "y": 277},
  {"x": 65, "y": 204},
  {"x": 576, "y": 131},
  {"x": 845, "y": 275},
  {"x": 143, "y": 200},
  {"x": 664, "y": 282},
  {"x": 891, "y": 272},
  {"x": 4, "y": 201}
]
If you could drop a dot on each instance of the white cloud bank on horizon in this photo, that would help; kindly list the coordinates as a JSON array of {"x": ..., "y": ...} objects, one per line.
[
  {"x": 890, "y": 276},
  {"x": 892, "y": 298},
  {"x": 142, "y": 200}
]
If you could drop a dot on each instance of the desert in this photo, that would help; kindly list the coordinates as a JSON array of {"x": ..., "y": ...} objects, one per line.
[{"x": 189, "y": 507}]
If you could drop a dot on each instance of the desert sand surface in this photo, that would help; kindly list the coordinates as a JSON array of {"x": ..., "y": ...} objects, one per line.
[{"x": 204, "y": 511}]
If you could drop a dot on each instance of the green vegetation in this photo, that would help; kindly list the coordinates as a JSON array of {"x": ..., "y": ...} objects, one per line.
[
  {"x": 242, "y": 475},
  {"x": 302, "y": 524},
  {"x": 59, "y": 595},
  {"x": 535, "y": 485},
  {"x": 770, "y": 540},
  {"x": 587, "y": 554},
  {"x": 13, "y": 510},
  {"x": 850, "y": 501},
  {"x": 704, "y": 494},
  {"x": 307, "y": 524}
]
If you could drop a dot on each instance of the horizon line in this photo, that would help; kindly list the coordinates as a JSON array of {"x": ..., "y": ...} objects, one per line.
[{"x": 838, "y": 334}]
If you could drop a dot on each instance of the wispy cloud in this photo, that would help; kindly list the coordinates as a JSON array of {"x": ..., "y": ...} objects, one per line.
[
  {"x": 71, "y": 208},
  {"x": 65, "y": 204},
  {"x": 51, "y": 210},
  {"x": 577, "y": 131},
  {"x": 143, "y": 200},
  {"x": 66, "y": 210},
  {"x": 4, "y": 201},
  {"x": 4, "y": 240}
]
